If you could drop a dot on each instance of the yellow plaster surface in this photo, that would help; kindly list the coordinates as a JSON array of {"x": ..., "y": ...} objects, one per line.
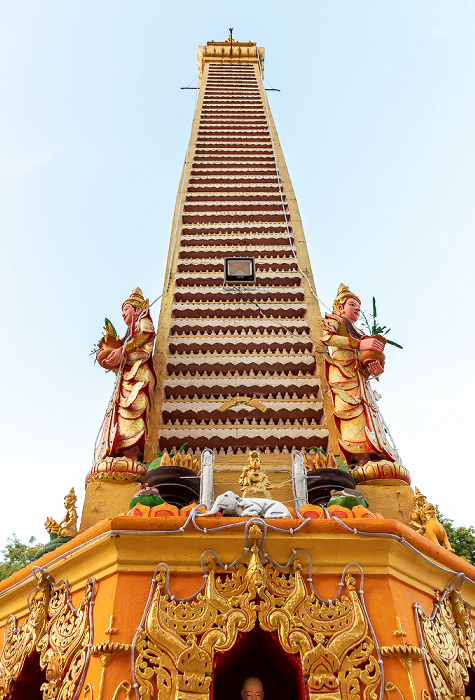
[
  {"x": 391, "y": 501},
  {"x": 106, "y": 499}
]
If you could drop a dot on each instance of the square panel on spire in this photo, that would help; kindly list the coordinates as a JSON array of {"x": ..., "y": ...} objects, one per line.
[{"x": 239, "y": 271}]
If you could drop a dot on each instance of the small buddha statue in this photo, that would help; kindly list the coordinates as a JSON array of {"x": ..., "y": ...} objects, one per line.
[
  {"x": 64, "y": 531},
  {"x": 254, "y": 482},
  {"x": 68, "y": 526}
]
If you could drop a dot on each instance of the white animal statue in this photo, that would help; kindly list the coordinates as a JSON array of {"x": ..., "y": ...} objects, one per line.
[{"x": 232, "y": 505}]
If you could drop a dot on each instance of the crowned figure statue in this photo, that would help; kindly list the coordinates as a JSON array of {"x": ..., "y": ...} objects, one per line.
[
  {"x": 125, "y": 425},
  {"x": 362, "y": 430}
]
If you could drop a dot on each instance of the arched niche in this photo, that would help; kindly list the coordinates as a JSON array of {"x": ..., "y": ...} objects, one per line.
[
  {"x": 28, "y": 684},
  {"x": 470, "y": 687},
  {"x": 260, "y": 654}
]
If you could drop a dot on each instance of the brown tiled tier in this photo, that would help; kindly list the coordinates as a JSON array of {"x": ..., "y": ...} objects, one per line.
[{"x": 221, "y": 346}]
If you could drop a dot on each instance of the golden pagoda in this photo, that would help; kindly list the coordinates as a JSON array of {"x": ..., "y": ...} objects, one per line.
[{"x": 246, "y": 515}]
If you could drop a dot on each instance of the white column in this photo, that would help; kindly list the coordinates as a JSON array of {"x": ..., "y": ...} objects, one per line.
[
  {"x": 299, "y": 480},
  {"x": 206, "y": 484}
]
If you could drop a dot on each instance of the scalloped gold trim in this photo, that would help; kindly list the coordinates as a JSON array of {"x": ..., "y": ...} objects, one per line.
[
  {"x": 117, "y": 469},
  {"x": 113, "y": 477},
  {"x": 382, "y": 472}
]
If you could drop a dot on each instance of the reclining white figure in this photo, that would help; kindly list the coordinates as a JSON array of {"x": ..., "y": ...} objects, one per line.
[{"x": 231, "y": 505}]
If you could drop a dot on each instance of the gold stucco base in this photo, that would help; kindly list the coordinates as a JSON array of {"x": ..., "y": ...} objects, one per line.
[
  {"x": 114, "y": 564},
  {"x": 395, "y": 502},
  {"x": 106, "y": 499}
]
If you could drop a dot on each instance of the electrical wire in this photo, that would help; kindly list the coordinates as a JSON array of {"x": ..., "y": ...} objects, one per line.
[
  {"x": 295, "y": 335},
  {"x": 185, "y": 166},
  {"x": 286, "y": 217},
  {"x": 291, "y": 245},
  {"x": 113, "y": 398},
  {"x": 191, "y": 518}
]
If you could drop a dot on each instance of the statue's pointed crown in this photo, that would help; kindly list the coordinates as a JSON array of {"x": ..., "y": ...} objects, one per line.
[
  {"x": 71, "y": 495},
  {"x": 136, "y": 299},
  {"x": 343, "y": 294}
]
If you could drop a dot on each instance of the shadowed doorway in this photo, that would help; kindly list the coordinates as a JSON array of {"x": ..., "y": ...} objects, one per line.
[
  {"x": 258, "y": 653},
  {"x": 27, "y": 685}
]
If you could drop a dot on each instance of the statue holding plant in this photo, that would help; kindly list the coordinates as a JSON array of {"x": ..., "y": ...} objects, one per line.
[{"x": 356, "y": 358}]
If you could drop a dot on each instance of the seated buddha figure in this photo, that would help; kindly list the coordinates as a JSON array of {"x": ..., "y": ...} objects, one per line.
[
  {"x": 363, "y": 436},
  {"x": 254, "y": 482}
]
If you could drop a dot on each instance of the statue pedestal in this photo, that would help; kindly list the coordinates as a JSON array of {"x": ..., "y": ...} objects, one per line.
[
  {"x": 395, "y": 502},
  {"x": 106, "y": 499},
  {"x": 109, "y": 487}
]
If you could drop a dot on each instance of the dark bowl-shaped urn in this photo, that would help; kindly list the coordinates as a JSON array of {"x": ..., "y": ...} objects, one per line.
[
  {"x": 321, "y": 482},
  {"x": 178, "y": 486}
]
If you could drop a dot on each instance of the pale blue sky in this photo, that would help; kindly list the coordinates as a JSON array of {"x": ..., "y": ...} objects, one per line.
[{"x": 376, "y": 119}]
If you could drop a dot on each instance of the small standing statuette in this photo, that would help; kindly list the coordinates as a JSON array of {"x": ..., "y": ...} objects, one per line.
[{"x": 254, "y": 482}]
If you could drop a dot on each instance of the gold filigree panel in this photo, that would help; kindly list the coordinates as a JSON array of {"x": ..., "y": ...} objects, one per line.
[
  {"x": 179, "y": 639},
  {"x": 58, "y": 631},
  {"x": 449, "y": 642}
]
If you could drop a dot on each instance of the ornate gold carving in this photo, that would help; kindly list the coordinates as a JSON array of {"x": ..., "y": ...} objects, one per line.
[
  {"x": 104, "y": 652},
  {"x": 388, "y": 686},
  {"x": 20, "y": 643},
  {"x": 449, "y": 643},
  {"x": 240, "y": 52},
  {"x": 137, "y": 300},
  {"x": 111, "y": 629},
  {"x": 176, "y": 647},
  {"x": 180, "y": 460},
  {"x": 406, "y": 654},
  {"x": 342, "y": 295},
  {"x": 417, "y": 515},
  {"x": 321, "y": 460},
  {"x": 60, "y": 634}
]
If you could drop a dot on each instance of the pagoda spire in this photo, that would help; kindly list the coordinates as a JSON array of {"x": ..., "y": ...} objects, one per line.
[{"x": 236, "y": 366}]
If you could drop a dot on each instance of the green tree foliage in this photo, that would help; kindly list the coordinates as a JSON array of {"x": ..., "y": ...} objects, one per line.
[
  {"x": 462, "y": 539},
  {"x": 16, "y": 555}
]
